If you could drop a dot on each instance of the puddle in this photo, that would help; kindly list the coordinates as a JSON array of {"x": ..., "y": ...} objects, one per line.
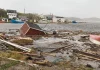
[{"x": 59, "y": 57}]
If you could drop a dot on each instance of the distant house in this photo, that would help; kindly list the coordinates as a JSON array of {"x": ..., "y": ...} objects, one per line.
[
  {"x": 53, "y": 19},
  {"x": 12, "y": 14},
  {"x": 29, "y": 29},
  {"x": 58, "y": 19}
]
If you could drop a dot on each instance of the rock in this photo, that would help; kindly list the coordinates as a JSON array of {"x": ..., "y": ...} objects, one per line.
[{"x": 88, "y": 65}]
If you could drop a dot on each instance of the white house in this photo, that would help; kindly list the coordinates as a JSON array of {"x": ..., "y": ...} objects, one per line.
[
  {"x": 58, "y": 19},
  {"x": 53, "y": 19},
  {"x": 12, "y": 14}
]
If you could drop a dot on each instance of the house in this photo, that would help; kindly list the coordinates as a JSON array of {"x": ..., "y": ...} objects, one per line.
[
  {"x": 43, "y": 19},
  {"x": 29, "y": 29},
  {"x": 53, "y": 19},
  {"x": 12, "y": 14},
  {"x": 58, "y": 19}
]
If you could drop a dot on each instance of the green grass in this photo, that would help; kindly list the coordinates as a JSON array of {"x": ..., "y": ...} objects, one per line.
[
  {"x": 8, "y": 65},
  {"x": 71, "y": 66}
]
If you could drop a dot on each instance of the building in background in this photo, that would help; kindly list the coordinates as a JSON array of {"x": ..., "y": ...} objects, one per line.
[
  {"x": 58, "y": 19},
  {"x": 53, "y": 19},
  {"x": 12, "y": 14}
]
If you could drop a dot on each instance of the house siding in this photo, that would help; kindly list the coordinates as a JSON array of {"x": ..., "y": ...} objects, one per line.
[
  {"x": 34, "y": 32},
  {"x": 24, "y": 29}
]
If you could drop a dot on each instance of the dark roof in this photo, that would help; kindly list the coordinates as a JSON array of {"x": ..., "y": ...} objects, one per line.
[
  {"x": 11, "y": 11},
  {"x": 59, "y": 17},
  {"x": 33, "y": 25}
]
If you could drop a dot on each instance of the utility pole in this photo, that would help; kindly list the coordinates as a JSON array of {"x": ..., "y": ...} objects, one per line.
[{"x": 24, "y": 10}]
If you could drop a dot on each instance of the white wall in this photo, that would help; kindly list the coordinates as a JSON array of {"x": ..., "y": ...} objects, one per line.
[
  {"x": 56, "y": 19},
  {"x": 12, "y": 15}
]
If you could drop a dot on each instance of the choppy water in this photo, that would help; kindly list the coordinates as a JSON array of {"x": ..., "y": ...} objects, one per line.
[{"x": 93, "y": 27}]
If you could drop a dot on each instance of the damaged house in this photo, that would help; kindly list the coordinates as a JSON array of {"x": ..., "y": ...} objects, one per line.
[{"x": 29, "y": 29}]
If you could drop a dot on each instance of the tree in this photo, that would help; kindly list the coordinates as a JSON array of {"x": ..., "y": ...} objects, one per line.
[
  {"x": 33, "y": 17},
  {"x": 3, "y": 13}
]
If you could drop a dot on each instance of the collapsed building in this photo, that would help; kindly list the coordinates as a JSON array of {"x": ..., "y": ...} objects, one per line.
[{"x": 30, "y": 29}]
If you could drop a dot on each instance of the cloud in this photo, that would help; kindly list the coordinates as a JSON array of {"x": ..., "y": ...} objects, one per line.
[{"x": 68, "y": 8}]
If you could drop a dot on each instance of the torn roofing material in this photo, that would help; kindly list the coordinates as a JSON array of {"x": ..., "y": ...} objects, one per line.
[{"x": 31, "y": 25}]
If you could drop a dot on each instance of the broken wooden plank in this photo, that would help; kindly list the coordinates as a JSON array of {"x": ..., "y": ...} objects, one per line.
[
  {"x": 85, "y": 54},
  {"x": 16, "y": 46},
  {"x": 29, "y": 54},
  {"x": 60, "y": 48}
]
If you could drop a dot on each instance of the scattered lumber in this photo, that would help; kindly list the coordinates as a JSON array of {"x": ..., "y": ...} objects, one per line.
[
  {"x": 85, "y": 54},
  {"x": 16, "y": 46},
  {"x": 50, "y": 54},
  {"x": 43, "y": 62},
  {"x": 22, "y": 40},
  {"x": 29, "y": 54},
  {"x": 60, "y": 48}
]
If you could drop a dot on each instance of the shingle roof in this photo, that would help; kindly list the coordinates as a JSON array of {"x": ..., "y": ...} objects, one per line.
[
  {"x": 33, "y": 25},
  {"x": 59, "y": 17},
  {"x": 11, "y": 11}
]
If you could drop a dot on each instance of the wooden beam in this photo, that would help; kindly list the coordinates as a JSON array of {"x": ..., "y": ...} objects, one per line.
[
  {"x": 16, "y": 46},
  {"x": 85, "y": 54}
]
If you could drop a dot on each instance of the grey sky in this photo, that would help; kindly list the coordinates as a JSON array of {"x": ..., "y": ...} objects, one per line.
[{"x": 67, "y": 8}]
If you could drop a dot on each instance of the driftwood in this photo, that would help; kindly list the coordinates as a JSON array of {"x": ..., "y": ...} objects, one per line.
[{"x": 85, "y": 54}]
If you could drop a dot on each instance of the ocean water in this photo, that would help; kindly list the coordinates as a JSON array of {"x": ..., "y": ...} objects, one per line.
[{"x": 91, "y": 27}]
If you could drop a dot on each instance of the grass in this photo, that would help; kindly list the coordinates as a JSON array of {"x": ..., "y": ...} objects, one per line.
[
  {"x": 6, "y": 66},
  {"x": 13, "y": 55},
  {"x": 71, "y": 66}
]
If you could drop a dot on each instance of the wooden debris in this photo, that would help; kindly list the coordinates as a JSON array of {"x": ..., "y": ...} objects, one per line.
[
  {"x": 29, "y": 54},
  {"x": 43, "y": 62},
  {"x": 60, "y": 48},
  {"x": 22, "y": 40},
  {"x": 85, "y": 54},
  {"x": 16, "y": 46}
]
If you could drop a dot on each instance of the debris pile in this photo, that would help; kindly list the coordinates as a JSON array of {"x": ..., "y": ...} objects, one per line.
[
  {"x": 60, "y": 50},
  {"x": 22, "y": 40}
]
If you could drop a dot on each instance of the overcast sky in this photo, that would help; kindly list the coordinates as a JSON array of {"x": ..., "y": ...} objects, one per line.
[{"x": 67, "y": 8}]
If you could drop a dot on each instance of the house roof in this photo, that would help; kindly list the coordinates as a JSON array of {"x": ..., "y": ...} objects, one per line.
[
  {"x": 35, "y": 26},
  {"x": 59, "y": 17},
  {"x": 11, "y": 11}
]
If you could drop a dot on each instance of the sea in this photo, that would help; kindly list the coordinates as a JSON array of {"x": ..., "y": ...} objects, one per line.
[{"x": 90, "y": 27}]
